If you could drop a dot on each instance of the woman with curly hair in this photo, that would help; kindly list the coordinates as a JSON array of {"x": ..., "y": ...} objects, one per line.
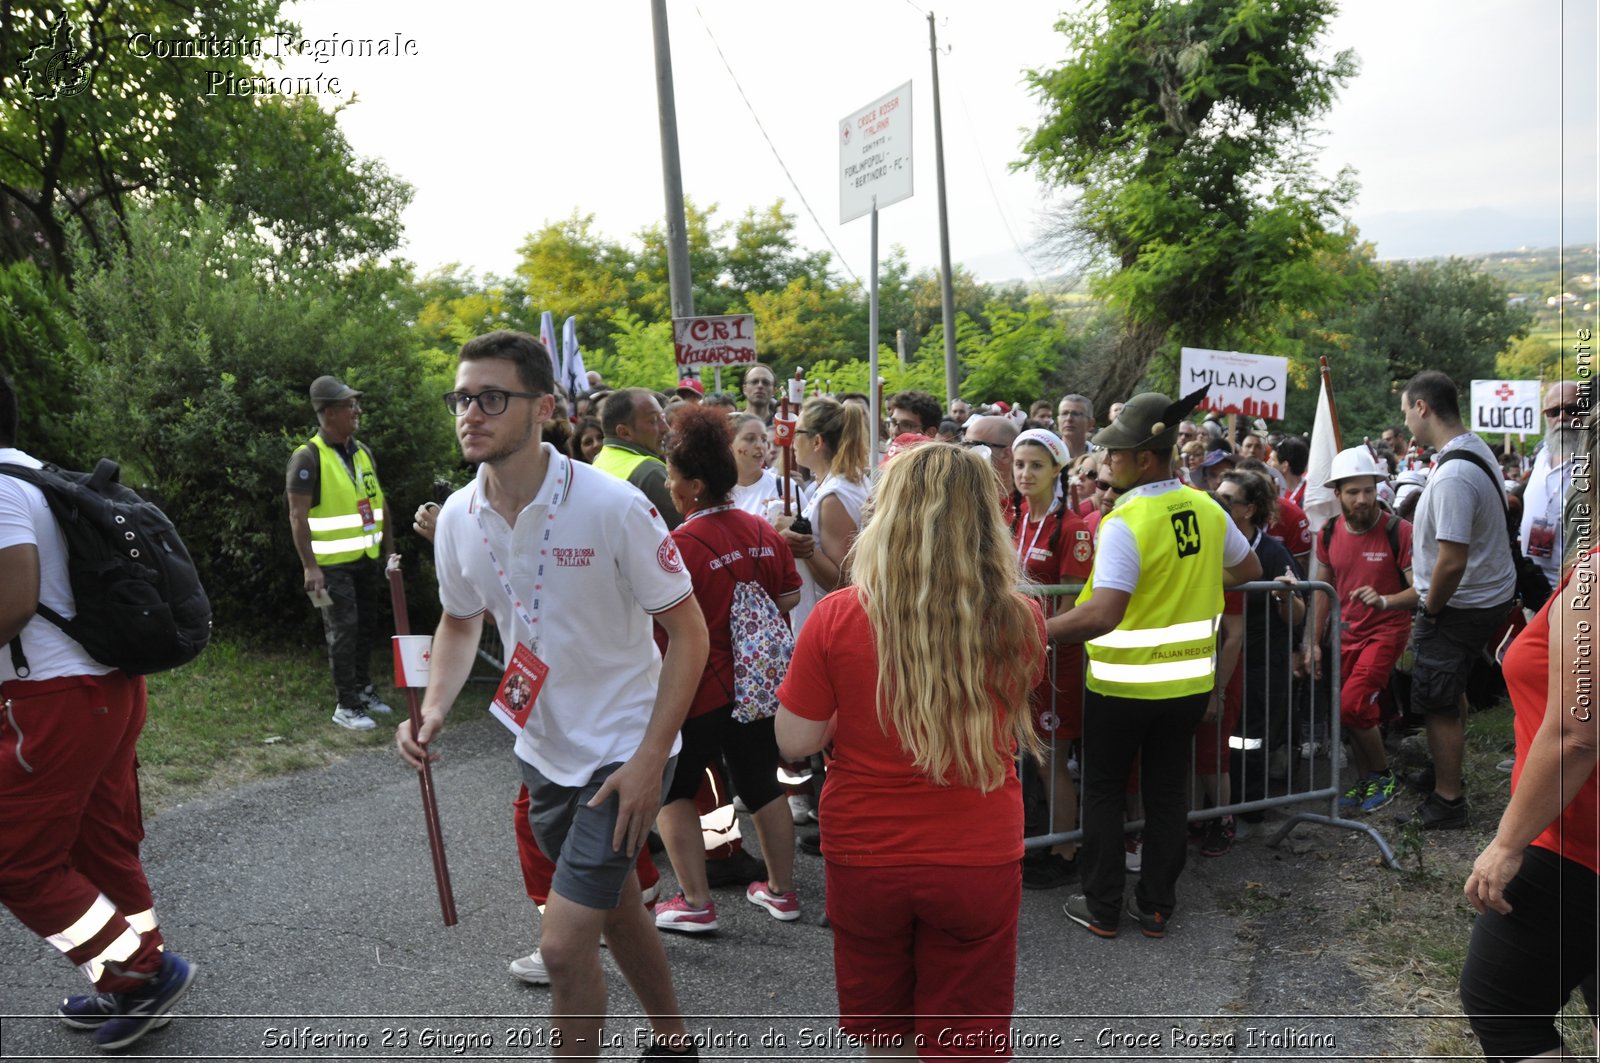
[
  {"x": 587, "y": 439},
  {"x": 723, "y": 546},
  {"x": 922, "y": 803}
]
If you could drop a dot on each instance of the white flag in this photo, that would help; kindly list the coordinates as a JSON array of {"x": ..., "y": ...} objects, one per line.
[
  {"x": 547, "y": 336},
  {"x": 1321, "y": 503},
  {"x": 573, "y": 374}
]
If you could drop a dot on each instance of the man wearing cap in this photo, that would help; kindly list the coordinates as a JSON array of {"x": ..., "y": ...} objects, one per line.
[
  {"x": 1366, "y": 554},
  {"x": 336, "y": 518},
  {"x": 634, "y": 427},
  {"x": 1148, "y": 616},
  {"x": 691, "y": 390}
]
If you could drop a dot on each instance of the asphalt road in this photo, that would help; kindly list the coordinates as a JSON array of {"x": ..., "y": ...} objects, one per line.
[{"x": 308, "y": 905}]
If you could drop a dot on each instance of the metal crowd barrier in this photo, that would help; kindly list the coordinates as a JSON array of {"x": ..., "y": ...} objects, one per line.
[{"x": 1317, "y": 707}]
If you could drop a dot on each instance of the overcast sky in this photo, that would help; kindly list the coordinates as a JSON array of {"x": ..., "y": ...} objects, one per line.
[{"x": 509, "y": 116}]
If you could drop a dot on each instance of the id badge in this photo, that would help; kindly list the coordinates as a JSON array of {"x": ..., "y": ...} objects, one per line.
[
  {"x": 1541, "y": 539},
  {"x": 519, "y": 688},
  {"x": 369, "y": 523}
]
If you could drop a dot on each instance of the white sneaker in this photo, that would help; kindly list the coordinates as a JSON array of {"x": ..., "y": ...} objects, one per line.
[
  {"x": 1311, "y": 749},
  {"x": 799, "y": 809},
  {"x": 370, "y": 702},
  {"x": 530, "y": 969},
  {"x": 352, "y": 719},
  {"x": 1133, "y": 851}
]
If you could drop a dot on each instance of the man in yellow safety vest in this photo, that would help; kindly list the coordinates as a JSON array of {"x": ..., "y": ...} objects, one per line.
[
  {"x": 1148, "y": 617},
  {"x": 336, "y": 517}
]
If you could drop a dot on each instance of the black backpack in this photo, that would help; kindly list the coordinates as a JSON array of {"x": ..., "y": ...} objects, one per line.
[
  {"x": 1532, "y": 586},
  {"x": 140, "y": 606},
  {"x": 1391, "y": 528}
]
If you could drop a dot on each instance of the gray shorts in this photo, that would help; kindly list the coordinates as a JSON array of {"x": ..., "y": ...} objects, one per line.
[
  {"x": 1445, "y": 651},
  {"x": 577, "y": 838}
]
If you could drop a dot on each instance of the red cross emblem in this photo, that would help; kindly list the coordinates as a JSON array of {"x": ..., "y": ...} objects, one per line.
[
  {"x": 427, "y": 655},
  {"x": 1505, "y": 391}
]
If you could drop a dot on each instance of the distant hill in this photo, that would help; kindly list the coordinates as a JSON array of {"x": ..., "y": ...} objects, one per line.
[{"x": 1469, "y": 233}]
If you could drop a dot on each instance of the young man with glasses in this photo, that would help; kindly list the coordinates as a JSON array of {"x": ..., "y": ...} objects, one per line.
[
  {"x": 337, "y": 521},
  {"x": 914, "y": 412},
  {"x": 574, "y": 565},
  {"x": 758, "y": 388}
]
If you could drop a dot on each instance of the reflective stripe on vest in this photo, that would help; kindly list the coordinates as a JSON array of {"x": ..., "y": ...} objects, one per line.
[
  {"x": 1165, "y": 646},
  {"x": 335, "y": 521}
]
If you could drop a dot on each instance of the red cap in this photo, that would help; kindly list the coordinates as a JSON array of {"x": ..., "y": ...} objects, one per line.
[{"x": 692, "y": 384}]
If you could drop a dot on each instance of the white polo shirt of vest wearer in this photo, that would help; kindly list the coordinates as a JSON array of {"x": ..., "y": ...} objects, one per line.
[{"x": 611, "y": 565}]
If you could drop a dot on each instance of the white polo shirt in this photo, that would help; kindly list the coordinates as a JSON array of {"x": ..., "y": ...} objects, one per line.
[
  {"x": 609, "y": 564},
  {"x": 25, "y": 520}
]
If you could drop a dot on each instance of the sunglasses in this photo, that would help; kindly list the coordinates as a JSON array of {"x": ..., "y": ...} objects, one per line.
[{"x": 1570, "y": 411}]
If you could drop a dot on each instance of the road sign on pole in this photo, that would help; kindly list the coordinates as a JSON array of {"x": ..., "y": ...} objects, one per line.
[{"x": 875, "y": 155}]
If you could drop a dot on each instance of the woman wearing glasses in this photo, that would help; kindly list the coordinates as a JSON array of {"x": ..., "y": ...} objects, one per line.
[
  {"x": 923, "y": 805},
  {"x": 831, "y": 441}
]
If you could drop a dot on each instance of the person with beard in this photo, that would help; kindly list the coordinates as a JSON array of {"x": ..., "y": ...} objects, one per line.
[
  {"x": 1367, "y": 557},
  {"x": 1541, "y": 534}
]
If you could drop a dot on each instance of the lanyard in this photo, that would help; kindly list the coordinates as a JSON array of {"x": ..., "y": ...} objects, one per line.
[
  {"x": 697, "y": 514},
  {"x": 530, "y": 617},
  {"x": 1025, "y": 552}
]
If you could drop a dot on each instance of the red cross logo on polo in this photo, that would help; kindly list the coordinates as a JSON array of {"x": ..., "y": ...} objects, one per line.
[{"x": 1505, "y": 392}]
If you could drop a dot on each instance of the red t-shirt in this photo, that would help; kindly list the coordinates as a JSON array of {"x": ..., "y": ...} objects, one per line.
[
  {"x": 1365, "y": 560},
  {"x": 1575, "y": 834},
  {"x": 722, "y": 547},
  {"x": 1292, "y": 527},
  {"x": 878, "y": 810}
]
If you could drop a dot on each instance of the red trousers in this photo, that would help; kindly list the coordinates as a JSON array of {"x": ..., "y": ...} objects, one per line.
[{"x": 70, "y": 833}]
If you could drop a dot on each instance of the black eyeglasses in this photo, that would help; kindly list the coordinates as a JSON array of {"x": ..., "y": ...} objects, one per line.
[
  {"x": 970, "y": 443},
  {"x": 1230, "y": 501},
  {"x": 492, "y": 401},
  {"x": 1570, "y": 411}
]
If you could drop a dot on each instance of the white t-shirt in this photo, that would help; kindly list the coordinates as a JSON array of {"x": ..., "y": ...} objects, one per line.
[
  {"x": 1543, "y": 530},
  {"x": 1459, "y": 504},
  {"x": 753, "y": 498},
  {"x": 25, "y": 520},
  {"x": 609, "y": 564},
  {"x": 1116, "y": 551},
  {"x": 852, "y": 496}
]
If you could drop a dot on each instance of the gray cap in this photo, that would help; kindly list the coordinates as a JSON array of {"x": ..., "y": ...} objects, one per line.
[{"x": 328, "y": 389}]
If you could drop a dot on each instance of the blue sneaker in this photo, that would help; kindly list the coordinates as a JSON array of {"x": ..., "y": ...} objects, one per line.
[
  {"x": 94, "y": 1010},
  {"x": 1352, "y": 799},
  {"x": 139, "y": 1012},
  {"x": 1385, "y": 788}
]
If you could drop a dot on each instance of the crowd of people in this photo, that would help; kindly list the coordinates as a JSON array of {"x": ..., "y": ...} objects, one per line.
[{"x": 943, "y": 669}]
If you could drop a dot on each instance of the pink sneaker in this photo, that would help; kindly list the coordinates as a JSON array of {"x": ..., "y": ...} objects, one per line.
[
  {"x": 684, "y": 918},
  {"x": 784, "y": 906}
]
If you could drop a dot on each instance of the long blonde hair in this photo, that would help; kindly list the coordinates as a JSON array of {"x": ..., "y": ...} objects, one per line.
[
  {"x": 957, "y": 645},
  {"x": 843, "y": 427}
]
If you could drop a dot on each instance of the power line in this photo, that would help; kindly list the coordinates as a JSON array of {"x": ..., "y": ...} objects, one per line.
[
  {"x": 977, "y": 149},
  {"x": 781, "y": 165}
]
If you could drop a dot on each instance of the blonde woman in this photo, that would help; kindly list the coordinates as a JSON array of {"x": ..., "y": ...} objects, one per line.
[
  {"x": 757, "y": 485},
  {"x": 831, "y": 441},
  {"x": 922, "y": 803}
]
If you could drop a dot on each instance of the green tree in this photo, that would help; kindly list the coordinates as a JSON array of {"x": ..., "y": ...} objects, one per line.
[
  {"x": 1445, "y": 315},
  {"x": 1180, "y": 127},
  {"x": 139, "y": 126},
  {"x": 195, "y": 379},
  {"x": 41, "y": 349}
]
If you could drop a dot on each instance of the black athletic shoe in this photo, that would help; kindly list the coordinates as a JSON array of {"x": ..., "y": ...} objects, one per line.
[
  {"x": 1151, "y": 924},
  {"x": 1048, "y": 871},
  {"x": 740, "y": 870},
  {"x": 1435, "y": 813}
]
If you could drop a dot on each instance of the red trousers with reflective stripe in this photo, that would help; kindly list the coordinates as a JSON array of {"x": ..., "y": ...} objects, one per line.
[{"x": 70, "y": 821}]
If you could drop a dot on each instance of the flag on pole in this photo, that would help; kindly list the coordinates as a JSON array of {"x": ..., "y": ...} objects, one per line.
[
  {"x": 547, "y": 336},
  {"x": 1322, "y": 503},
  {"x": 573, "y": 374}
]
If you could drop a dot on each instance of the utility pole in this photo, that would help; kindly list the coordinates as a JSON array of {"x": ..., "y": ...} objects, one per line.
[
  {"x": 952, "y": 384},
  {"x": 678, "y": 278}
]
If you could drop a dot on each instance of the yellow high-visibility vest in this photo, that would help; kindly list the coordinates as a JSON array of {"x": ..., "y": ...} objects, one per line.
[
  {"x": 1166, "y": 645},
  {"x": 337, "y": 532},
  {"x": 620, "y": 462}
]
